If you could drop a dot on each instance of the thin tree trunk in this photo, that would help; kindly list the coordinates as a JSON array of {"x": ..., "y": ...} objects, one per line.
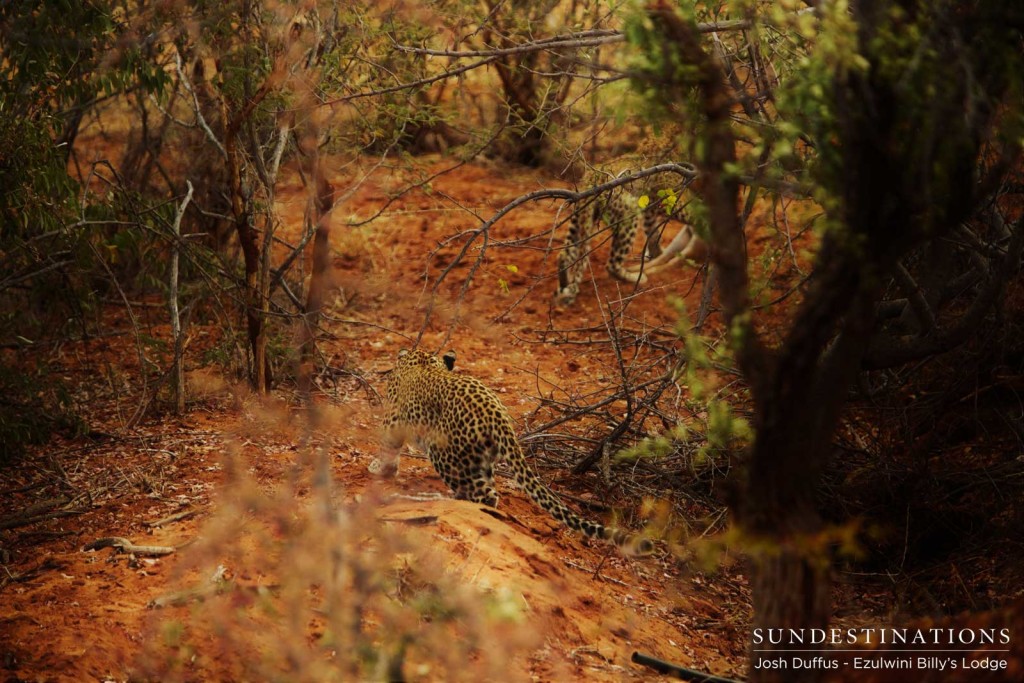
[
  {"x": 255, "y": 305},
  {"x": 253, "y": 301},
  {"x": 178, "y": 370},
  {"x": 322, "y": 203},
  {"x": 776, "y": 508}
]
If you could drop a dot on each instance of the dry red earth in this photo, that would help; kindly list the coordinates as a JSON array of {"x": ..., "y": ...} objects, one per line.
[
  {"x": 69, "y": 614},
  {"x": 242, "y": 466}
]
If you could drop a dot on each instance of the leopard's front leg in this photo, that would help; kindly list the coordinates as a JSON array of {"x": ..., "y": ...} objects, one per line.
[{"x": 392, "y": 441}]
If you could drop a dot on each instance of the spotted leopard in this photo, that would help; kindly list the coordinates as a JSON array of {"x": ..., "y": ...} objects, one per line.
[
  {"x": 465, "y": 430},
  {"x": 651, "y": 202}
]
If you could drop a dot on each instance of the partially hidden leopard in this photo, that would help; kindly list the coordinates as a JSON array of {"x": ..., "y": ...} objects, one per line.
[
  {"x": 651, "y": 202},
  {"x": 465, "y": 430}
]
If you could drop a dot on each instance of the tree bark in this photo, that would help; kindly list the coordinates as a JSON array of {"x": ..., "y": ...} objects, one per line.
[
  {"x": 897, "y": 188},
  {"x": 178, "y": 369},
  {"x": 322, "y": 203},
  {"x": 241, "y": 199},
  {"x": 794, "y": 413}
]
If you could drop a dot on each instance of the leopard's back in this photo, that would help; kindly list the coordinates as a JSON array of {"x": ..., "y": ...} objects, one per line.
[{"x": 466, "y": 430}]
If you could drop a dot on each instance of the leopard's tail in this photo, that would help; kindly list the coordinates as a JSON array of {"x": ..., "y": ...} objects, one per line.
[{"x": 627, "y": 542}]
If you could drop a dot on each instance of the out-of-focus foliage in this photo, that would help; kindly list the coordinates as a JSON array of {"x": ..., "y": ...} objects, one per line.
[
  {"x": 31, "y": 407},
  {"x": 358, "y": 599}
]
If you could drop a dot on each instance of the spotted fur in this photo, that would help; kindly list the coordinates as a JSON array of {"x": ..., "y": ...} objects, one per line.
[
  {"x": 465, "y": 430},
  {"x": 620, "y": 210}
]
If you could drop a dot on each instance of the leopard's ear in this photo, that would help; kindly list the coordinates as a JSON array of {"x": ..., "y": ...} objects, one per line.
[
  {"x": 449, "y": 359},
  {"x": 402, "y": 353}
]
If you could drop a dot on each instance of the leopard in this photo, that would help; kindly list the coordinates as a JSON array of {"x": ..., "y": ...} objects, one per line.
[
  {"x": 465, "y": 430},
  {"x": 650, "y": 202}
]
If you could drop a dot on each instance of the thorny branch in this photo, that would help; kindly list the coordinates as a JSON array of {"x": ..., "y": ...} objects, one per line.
[{"x": 646, "y": 378}]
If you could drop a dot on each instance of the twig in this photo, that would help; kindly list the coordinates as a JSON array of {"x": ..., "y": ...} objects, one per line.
[
  {"x": 602, "y": 577},
  {"x": 124, "y": 545},
  {"x": 176, "y": 517},
  {"x": 197, "y": 108}
]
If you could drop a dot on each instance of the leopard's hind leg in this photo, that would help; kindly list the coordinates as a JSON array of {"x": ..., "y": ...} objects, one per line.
[
  {"x": 655, "y": 220},
  {"x": 573, "y": 257},
  {"x": 623, "y": 223},
  {"x": 468, "y": 475},
  {"x": 481, "y": 485}
]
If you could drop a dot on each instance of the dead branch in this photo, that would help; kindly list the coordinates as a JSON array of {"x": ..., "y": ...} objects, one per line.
[
  {"x": 45, "y": 509},
  {"x": 16, "y": 521},
  {"x": 412, "y": 84},
  {"x": 886, "y": 352},
  {"x": 196, "y": 107},
  {"x": 684, "y": 169},
  {"x": 592, "y": 38},
  {"x": 915, "y": 297},
  {"x": 602, "y": 448},
  {"x": 176, "y": 517},
  {"x": 123, "y": 545}
]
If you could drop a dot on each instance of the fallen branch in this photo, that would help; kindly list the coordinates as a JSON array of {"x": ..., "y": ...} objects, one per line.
[
  {"x": 679, "y": 672},
  {"x": 25, "y": 520},
  {"x": 124, "y": 545},
  {"x": 422, "y": 520},
  {"x": 176, "y": 517}
]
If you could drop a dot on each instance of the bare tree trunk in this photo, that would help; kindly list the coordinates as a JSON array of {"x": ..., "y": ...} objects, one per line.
[
  {"x": 322, "y": 203},
  {"x": 896, "y": 191},
  {"x": 178, "y": 370},
  {"x": 776, "y": 510},
  {"x": 806, "y": 389},
  {"x": 247, "y": 239},
  {"x": 241, "y": 200}
]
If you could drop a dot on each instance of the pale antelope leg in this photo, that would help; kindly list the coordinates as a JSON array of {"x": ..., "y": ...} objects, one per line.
[{"x": 684, "y": 246}]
